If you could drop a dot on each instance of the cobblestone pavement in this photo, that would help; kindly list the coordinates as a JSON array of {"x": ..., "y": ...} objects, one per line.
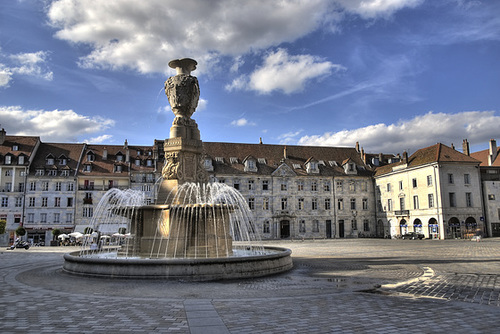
[{"x": 344, "y": 286}]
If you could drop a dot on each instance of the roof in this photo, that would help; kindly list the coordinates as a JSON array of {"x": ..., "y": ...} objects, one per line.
[
  {"x": 71, "y": 152},
  {"x": 25, "y": 145},
  {"x": 483, "y": 157},
  {"x": 435, "y": 153},
  {"x": 274, "y": 156}
]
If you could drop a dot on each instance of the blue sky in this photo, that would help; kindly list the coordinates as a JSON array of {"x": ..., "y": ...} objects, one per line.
[{"x": 393, "y": 75}]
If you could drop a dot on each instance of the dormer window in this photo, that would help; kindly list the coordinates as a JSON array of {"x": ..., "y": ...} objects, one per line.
[
  {"x": 149, "y": 162},
  {"x": 15, "y": 147},
  {"x": 137, "y": 162},
  {"x": 49, "y": 161},
  {"x": 118, "y": 168},
  {"x": 87, "y": 168},
  {"x": 90, "y": 156},
  {"x": 8, "y": 159},
  {"x": 208, "y": 164},
  {"x": 312, "y": 167},
  {"x": 138, "y": 152},
  {"x": 250, "y": 165},
  {"x": 20, "y": 160},
  {"x": 63, "y": 161},
  {"x": 119, "y": 156},
  {"x": 40, "y": 172},
  {"x": 350, "y": 167}
]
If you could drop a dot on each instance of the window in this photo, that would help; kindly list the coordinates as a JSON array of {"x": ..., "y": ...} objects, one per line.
[
  {"x": 366, "y": 225},
  {"x": 31, "y": 218},
  {"x": 340, "y": 186},
  {"x": 402, "y": 203},
  {"x": 429, "y": 180},
  {"x": 400, "y": 185},
  {"x": 251, "y": 184},
  {"x": 364, "y": 186},
  {"x": 354, "y": 224},
  {"x": 415, "y": 202},
  {"x": 266, "y": 227},
  {"x": 20, "y": 160},
  {"x": 328, "y": 204},
  {"x": 236, "y": 184},
  {"x": 32, "y": 202},
  {"x": 326, "y": 186},
  {"x": 32, "y": 186},
  {"x": 265, "y": 203},
  {"x": 468, "y": 199},
  {"x": 90, "y": 156},
  {"x": 450, "y": 179},
  {"x": 45, "y": 186},
  {"x": 300, "y": 185},
  {"x": 5, "y": 202},
  {"x": 58, "y": 186},
  {"x": 340, "y": 204},
  {"x": 8, "y": 172},
  {"x": 365, "y": 203},
  {"x": 8, "y": 159},
  {"x": 315, "y": 225},
  {"x": 265, "y": 185},
  {"x": 353, "y": 204},
  {"x": 491, "y": 197},
  {"x": 466, "y": 178},
  {"x": 63, "y": 161},
  {"x": 453, "y": 202},
  {"x": 284, "y": 186},
  {"x": 65, "y": 173},
  {"x": 389, "y": 205},
  {"x": 57, "y": 202},
  {"x": 43, "y": 218},
  {"x": 314, "y": 186},
  {"x": 251, "y": 203},
  {"x": 19, "y": 202},
  {"x": 15, "y": 147},
  {"x": 414, "y": 183},
  {"x": 430, "y": 199},
  {"x": 88, "y": 211},
  {"x": 87, "y": 168},
  {"x": 300, "y": 204},
  {"x": 39, "y": 172},
  {"x": 70, "y": 186},
  {"x": 207, "y": 163},
  {"x": 118, "y": 168},
  {"x": 50, "y": 161},
  {"x": 69, "y": 217},
  {"x": 314, "y": 204},
  {"x": 352, "y": 186},
  {"x": 69, "y": 202},
  {"x": 149, "y": 162},
  {"x": 302, "y": 226},
  {"x": 284, "y": 204},
  {"x": 44, "y": 201},
  {"x": 119, "y": 157},
  {"x": 21, "y": 186},
  {"x": 388, "y": 187},
  {"x": 57, "y": 218}
]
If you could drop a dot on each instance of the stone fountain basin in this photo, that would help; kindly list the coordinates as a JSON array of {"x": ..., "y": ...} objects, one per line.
[{"x": 274, "y": 260}]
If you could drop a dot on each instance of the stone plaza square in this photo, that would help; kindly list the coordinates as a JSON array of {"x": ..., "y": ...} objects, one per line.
[{"x": 345, "y": 286}]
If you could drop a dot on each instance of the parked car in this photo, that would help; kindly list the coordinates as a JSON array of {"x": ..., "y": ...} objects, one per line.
[{"x": 413, "y": 236}]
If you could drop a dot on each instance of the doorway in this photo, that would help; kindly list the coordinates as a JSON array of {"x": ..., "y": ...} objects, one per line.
[
  {"x": 341, "y": 228},
  {"x": 328, "y": 229},
  {"x": 285, "y": 229}
]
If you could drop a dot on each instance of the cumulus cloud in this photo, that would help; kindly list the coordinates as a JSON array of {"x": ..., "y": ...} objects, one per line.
[
  {"x": 242, "y": 122},
  {"x": 51, "y": 125},
  {"x": 284, "y": 72},
  {"x": 290, "y": 137},
  {"x": 419, "y": 132},
  {"x": 144, "y": 35},
  {"x": 98, "y": 139}
]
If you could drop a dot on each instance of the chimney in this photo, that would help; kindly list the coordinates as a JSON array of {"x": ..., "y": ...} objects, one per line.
[
  {"x": 493, "y": 152},
  {"x": 357, "y": 146},
  {"x": 405, "y": 157},
  {"x": 380, "y": 159},
  {"x": 452, "y": 146},
  {"x": 2, "y": 136},
  {"x": 465, "y": 147},
  {"x": 363, "y": 156},
  {"x": 127, "y": 151},
  {"x": 284, "y": 153},
  {"x": 260, "y": 140},
  {"x": 105, "y": 154}
]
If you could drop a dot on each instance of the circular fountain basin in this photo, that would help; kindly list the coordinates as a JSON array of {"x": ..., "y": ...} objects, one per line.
[{"x": 273, "y": 260}]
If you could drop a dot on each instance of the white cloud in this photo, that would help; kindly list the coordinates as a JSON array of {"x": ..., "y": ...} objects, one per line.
[
  {"x": 419, "y": 132},
  {"x": 51, "y": 125},
  {"x": 289, "y": 137},
  {"x": 5, "y": 76},
  {"x": 98, "y": 139},
  {"x": 370, "y": 9},
  {"x": 145, "y": 35},
  {"x": 31, "y": 64},
  {"x": 284, "y": 72},
  {"x": 242, "y": 122}
]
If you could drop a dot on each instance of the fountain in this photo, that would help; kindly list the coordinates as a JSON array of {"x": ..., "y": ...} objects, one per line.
[{"x": 195, "y": 231}]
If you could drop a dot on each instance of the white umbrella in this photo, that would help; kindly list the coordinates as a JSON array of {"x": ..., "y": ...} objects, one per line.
[
  {"x": 63, "y": 236},
  {"x": 105, "y": 237},
  {"x": 118, "y": 235},
  {"x": 76, "y": 235}
]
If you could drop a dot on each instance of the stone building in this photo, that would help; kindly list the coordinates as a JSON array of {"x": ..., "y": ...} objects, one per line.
[
  {"x": 490, "y": 179},
  {"x": 436, "y": 191}
]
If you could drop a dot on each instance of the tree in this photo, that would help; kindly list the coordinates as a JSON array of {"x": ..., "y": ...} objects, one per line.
[
  {"x": 56, "y": 232},
  {"x": 20, "y": 231},
  {"x": 3, "y": 225}
]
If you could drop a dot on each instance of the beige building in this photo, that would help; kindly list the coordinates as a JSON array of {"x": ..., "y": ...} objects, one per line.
[{"x": 436, "y": 191}]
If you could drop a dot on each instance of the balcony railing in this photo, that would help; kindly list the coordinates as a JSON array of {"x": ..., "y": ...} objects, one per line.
[{"x": 402, "y": 212}]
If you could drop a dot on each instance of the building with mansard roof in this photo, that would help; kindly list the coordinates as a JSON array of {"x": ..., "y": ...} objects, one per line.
[{"x": 435, "y": 191}]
